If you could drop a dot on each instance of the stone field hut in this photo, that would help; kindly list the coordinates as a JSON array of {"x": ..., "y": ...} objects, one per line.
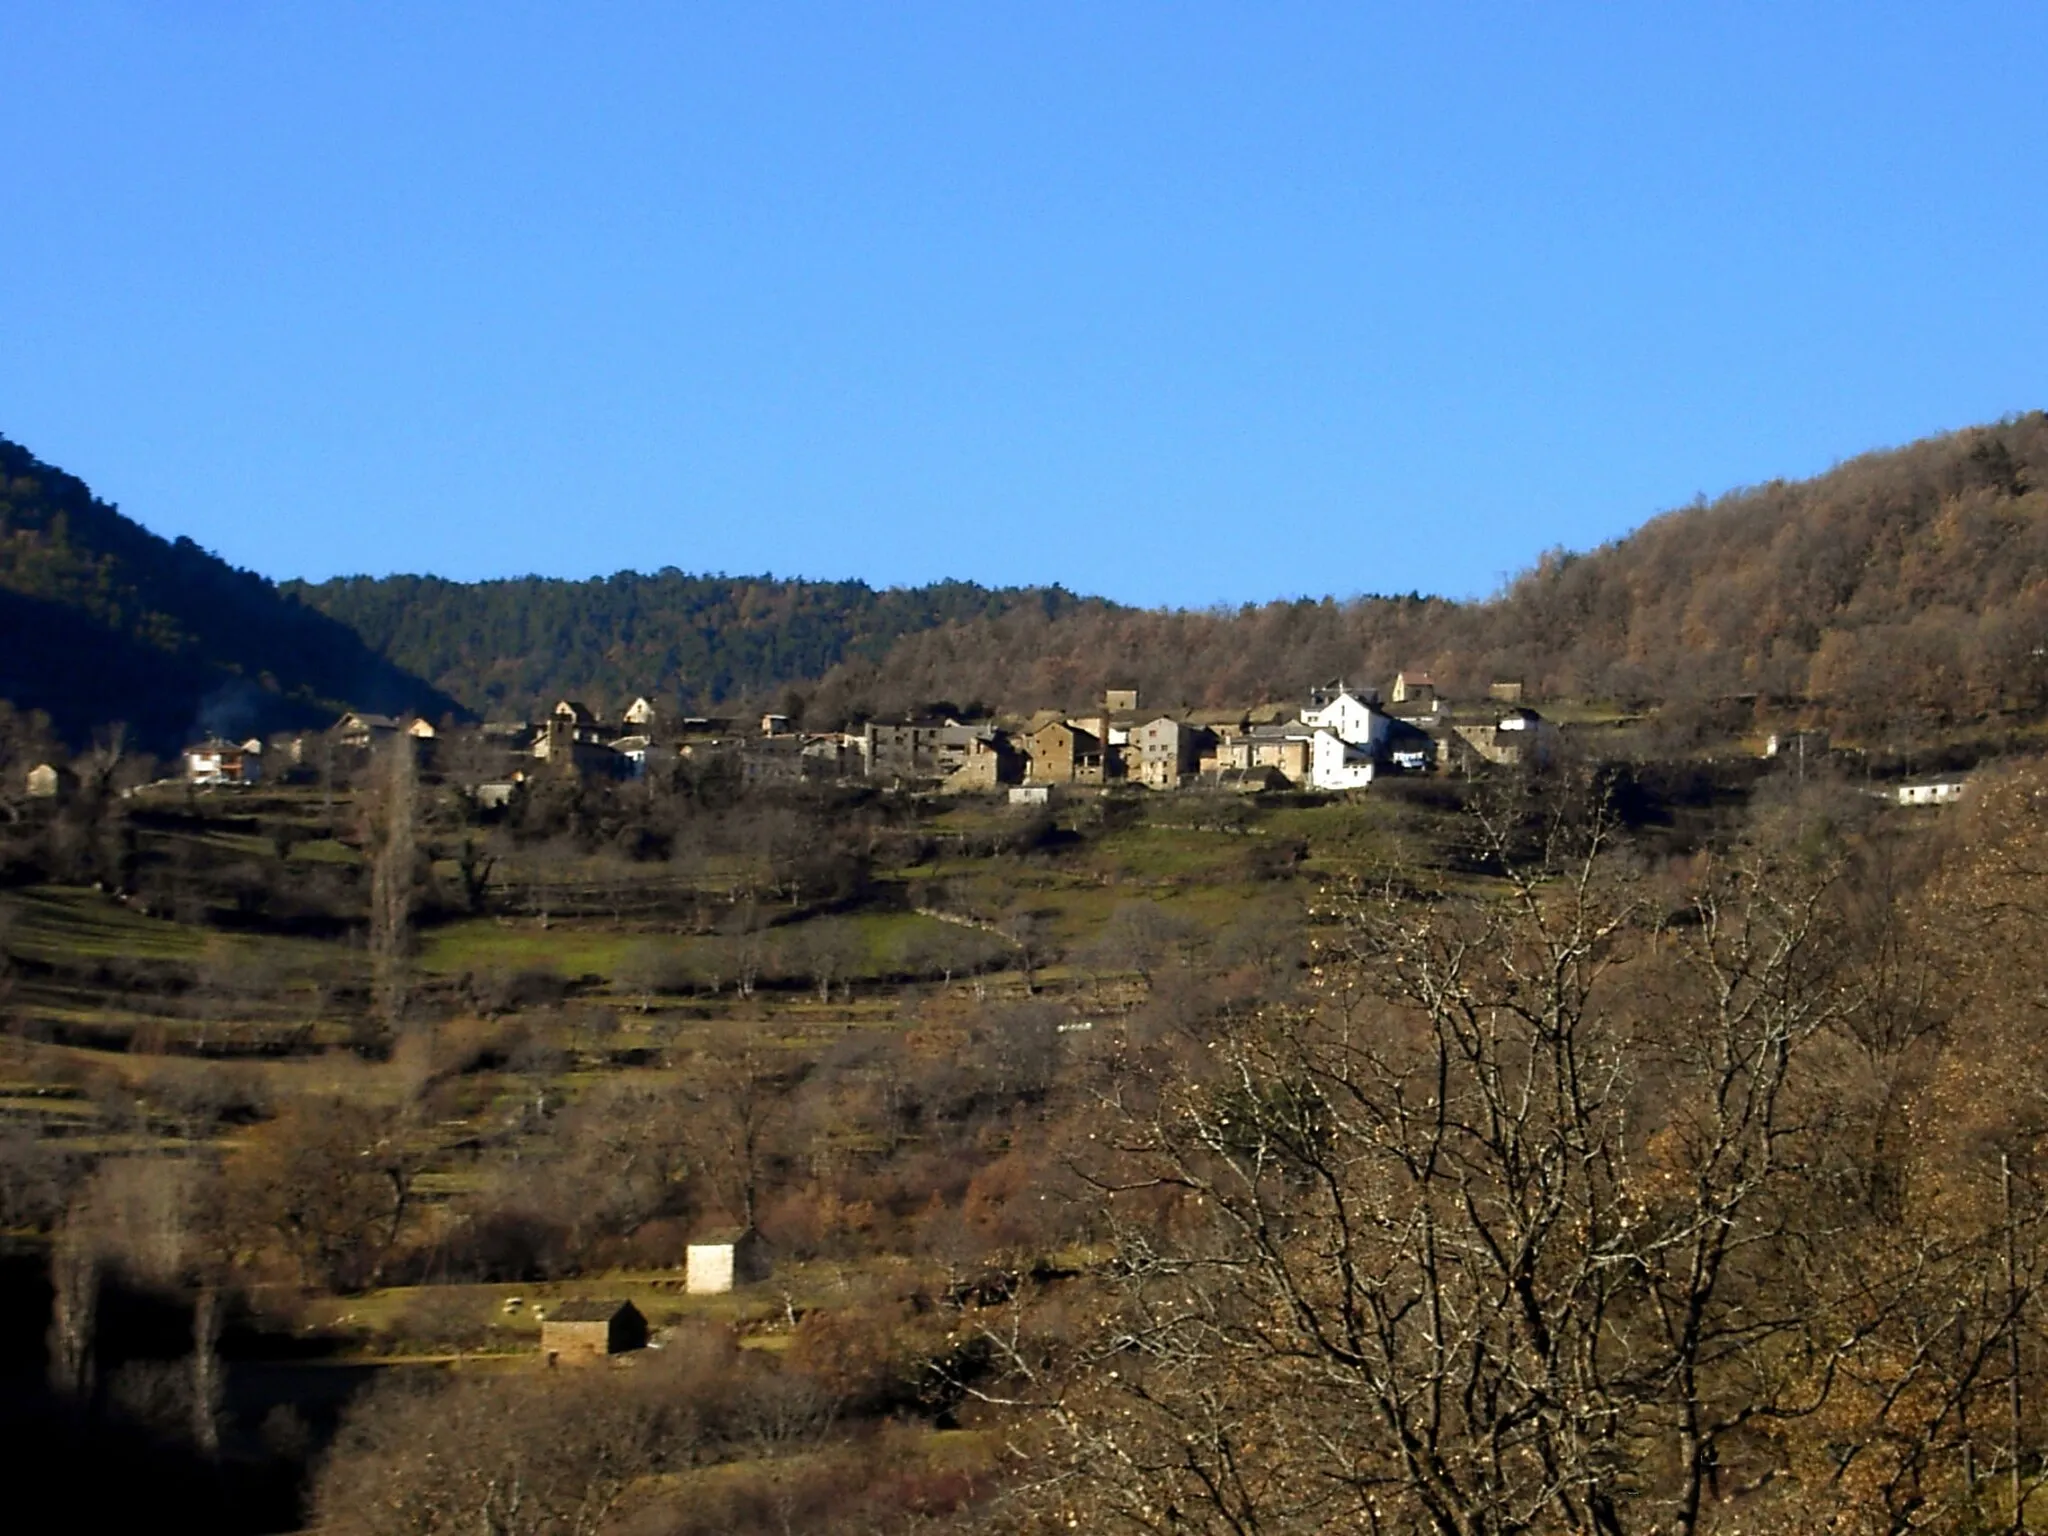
[
  {"x": 591, "y": 1328},
  {"x": 718, "y": 1261}
]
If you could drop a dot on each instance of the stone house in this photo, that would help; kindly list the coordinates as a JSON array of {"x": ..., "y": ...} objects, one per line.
[
  {"x": 959, "y": 740},
  {"x": 988, "y": 765},
  {"x": 718, "y": 1261},
  {"x": 1163, "y": 752},
  {"x": 1111, "y": 731},
  {"x": 1313, "y": 756},
  {"x": 790, "y": 758},
  {"x": 1520, "y": 737},
  {"x": 831, "y": 755},
  {"x": 46, "y": 781},
  {"x": 907, "y": 749},
  {"x": 640, "y": 715},
  {"x": 919, "y": 749},
  {"x": 586, "y": 1329},
  {"x": 1061, "y": 753},
  {"x": 1120, "y": 701},
  {"x": 1285, "y": 749}
]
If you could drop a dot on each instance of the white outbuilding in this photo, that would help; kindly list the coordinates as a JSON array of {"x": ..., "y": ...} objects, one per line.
[{"x": 718, "y": 1261}]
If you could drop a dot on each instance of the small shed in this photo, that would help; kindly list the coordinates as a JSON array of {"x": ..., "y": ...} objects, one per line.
[
  {"x": 718, "y": 1261},
  {"x": 591, "y": 1328}
]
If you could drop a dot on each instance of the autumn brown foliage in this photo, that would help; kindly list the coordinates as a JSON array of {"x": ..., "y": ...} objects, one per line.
[
  {"x": 1903, "y": 586},
  {"x": 1615, "y": 1200}
]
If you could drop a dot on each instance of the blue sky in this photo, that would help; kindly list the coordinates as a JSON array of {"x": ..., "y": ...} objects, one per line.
[{"x": 1178, "y": 303}]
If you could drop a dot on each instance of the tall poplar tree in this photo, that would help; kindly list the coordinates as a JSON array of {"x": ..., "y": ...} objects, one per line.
[{"x": 394, "y": 856}]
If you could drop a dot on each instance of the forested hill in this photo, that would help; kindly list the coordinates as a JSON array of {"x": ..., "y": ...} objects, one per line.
[
  {"x": 1906, "y": 584},
  {"x": 516, "y": 646},
  {"x": 103, "y": 621},
  {"x": 1909, "y": 583}
]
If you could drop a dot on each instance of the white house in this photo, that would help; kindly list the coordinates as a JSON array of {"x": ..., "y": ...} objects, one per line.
[
  {"x": 1349, "y": 718},
  {"x": 1937, "y": 791},
  {"x": 1338, "y": 764}
]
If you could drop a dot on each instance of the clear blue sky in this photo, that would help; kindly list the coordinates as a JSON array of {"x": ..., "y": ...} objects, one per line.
[{"x": 1179, "y": 303}]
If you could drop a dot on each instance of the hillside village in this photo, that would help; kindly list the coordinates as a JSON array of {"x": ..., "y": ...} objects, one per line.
[{"x": 1340, "y": 739}]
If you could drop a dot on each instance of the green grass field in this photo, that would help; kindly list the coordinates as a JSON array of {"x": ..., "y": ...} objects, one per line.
[{"x": 66, "y": 924}]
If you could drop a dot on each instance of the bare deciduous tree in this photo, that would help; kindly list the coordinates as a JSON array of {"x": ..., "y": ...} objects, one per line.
[
  {"x": 552, "y": 1455},
  {"x": 74, "y": 1307},
  {"x": 1485, "y": 1244},
  {"x": 393, "y": 850},
  {"x": 739, "y": 1108},
  {"x": 1026, "y": 931},
  {"x": 329, "y": 1182}
]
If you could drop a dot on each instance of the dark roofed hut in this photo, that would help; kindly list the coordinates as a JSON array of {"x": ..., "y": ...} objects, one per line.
[{"x": 590, "y": 1328}]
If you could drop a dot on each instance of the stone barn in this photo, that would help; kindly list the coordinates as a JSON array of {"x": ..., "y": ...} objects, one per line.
[
  {"x": 588, "y": 1328},
  {"x": 718, "y": 1261}
]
